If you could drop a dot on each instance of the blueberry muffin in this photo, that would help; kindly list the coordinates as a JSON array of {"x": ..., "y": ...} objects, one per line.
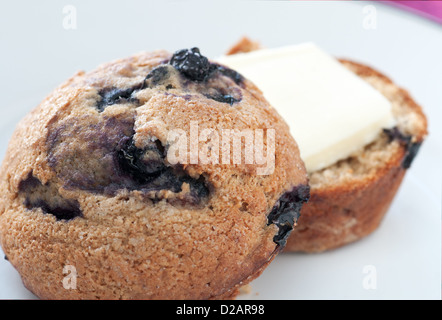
[{"x": 98, "y": 202}]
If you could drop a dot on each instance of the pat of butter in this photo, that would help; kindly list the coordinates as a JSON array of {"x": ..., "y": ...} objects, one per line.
[{"x": 331, "y": 111}]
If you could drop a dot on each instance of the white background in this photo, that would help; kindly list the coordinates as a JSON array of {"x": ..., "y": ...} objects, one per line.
[{"x": 38, "y": 53}]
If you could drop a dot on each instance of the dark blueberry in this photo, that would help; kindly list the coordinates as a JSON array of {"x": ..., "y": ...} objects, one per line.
[
  {"x": 148, "y": 170},
  {"x": 111, "y": 96},
  {"x": 68, "y": 211},
  {"x": 29, "y": 183},
  {"x": 198, "y": 188},
  {"x": 411, "y": 148},
  {"x": 225, "y": 98},
  {"x": 172, "y": 179},
  {"x": 47, "y": 198},
  {"x": 143, "y": 165},
  {"x": 158, "y": 75},
  {"x": 286, "y": 212},
  {"x": 232, "y": 74},
  {"x": 192, "y": 64},
  {"x": 412, "y": 151},
  {"x": 395, "y": 134},
  {"x": 6, "y": 258},
  {"x": 166, "y": 180}
]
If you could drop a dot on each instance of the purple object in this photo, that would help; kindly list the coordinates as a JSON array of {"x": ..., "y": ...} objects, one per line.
[{"x": 427, "y": 9}]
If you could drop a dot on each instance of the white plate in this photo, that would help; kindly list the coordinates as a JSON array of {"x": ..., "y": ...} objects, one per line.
[{"x": 402, "y": 259}]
